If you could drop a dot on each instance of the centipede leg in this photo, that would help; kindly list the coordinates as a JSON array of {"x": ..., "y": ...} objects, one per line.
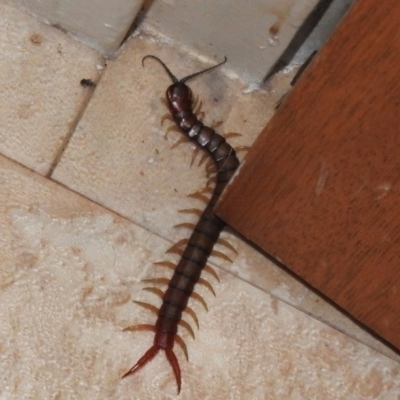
[
  {"x": 232, "y": 135},
  {"x": 168, "y": 117},
  {"x": 217, "y": 124},
  {"x": 242, "y": 148}
]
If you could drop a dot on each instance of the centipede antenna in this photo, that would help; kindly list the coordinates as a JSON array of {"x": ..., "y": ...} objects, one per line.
[
  {"x": 171, "y": 75},
  {"x": 186, "y": 78}
]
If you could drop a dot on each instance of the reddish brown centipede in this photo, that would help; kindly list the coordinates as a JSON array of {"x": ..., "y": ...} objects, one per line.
[{"x": 203, "y": 238}]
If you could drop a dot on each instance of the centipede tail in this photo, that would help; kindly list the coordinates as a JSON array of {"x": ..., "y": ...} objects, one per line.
[{"x": 206, "y": 232}]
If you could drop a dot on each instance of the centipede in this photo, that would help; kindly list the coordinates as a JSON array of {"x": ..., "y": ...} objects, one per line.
[{"x": 196, "y": 250}]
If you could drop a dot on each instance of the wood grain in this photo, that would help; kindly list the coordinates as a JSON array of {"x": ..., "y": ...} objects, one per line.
[{"x": 320, "y": 189}]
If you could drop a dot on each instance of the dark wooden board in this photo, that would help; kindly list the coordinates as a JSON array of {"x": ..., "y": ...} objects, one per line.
[{"x": 320, "y": 189}]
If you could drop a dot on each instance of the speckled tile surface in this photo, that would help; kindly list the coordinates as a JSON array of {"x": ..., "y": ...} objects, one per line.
[
  {"x": 70, "y": 270},
  {"x": 40, "y": 94},
  {"x": 119, "y": 158}
]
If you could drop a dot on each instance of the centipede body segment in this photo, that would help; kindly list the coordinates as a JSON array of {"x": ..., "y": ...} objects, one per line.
[{"x": 198, "y": 248}]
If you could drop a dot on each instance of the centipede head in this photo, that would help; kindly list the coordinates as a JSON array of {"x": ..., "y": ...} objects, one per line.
[{"x": 178, "y": 94}]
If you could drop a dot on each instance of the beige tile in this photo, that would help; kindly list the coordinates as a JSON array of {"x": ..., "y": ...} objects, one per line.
[
  {"x": 70, "y": 269},
  {"x": 119, "y": 158},
  {"x": 40, "y": 94}
]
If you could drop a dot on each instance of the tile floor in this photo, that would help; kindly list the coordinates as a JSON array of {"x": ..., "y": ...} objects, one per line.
[{"x": 90, "y": 193}]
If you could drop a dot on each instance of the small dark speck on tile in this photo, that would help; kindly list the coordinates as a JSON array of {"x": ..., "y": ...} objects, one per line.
[
  {"x": 87, "y": 83},
  {"x": 36, "y": 38},
  {"x": 274, "y": 29},
  {"x": 76, "y": 251}
]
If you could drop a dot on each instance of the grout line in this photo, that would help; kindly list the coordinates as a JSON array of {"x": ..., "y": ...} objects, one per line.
[
  {"x": 75, "y": 123},
  {"x": 139, "y": 18}
]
